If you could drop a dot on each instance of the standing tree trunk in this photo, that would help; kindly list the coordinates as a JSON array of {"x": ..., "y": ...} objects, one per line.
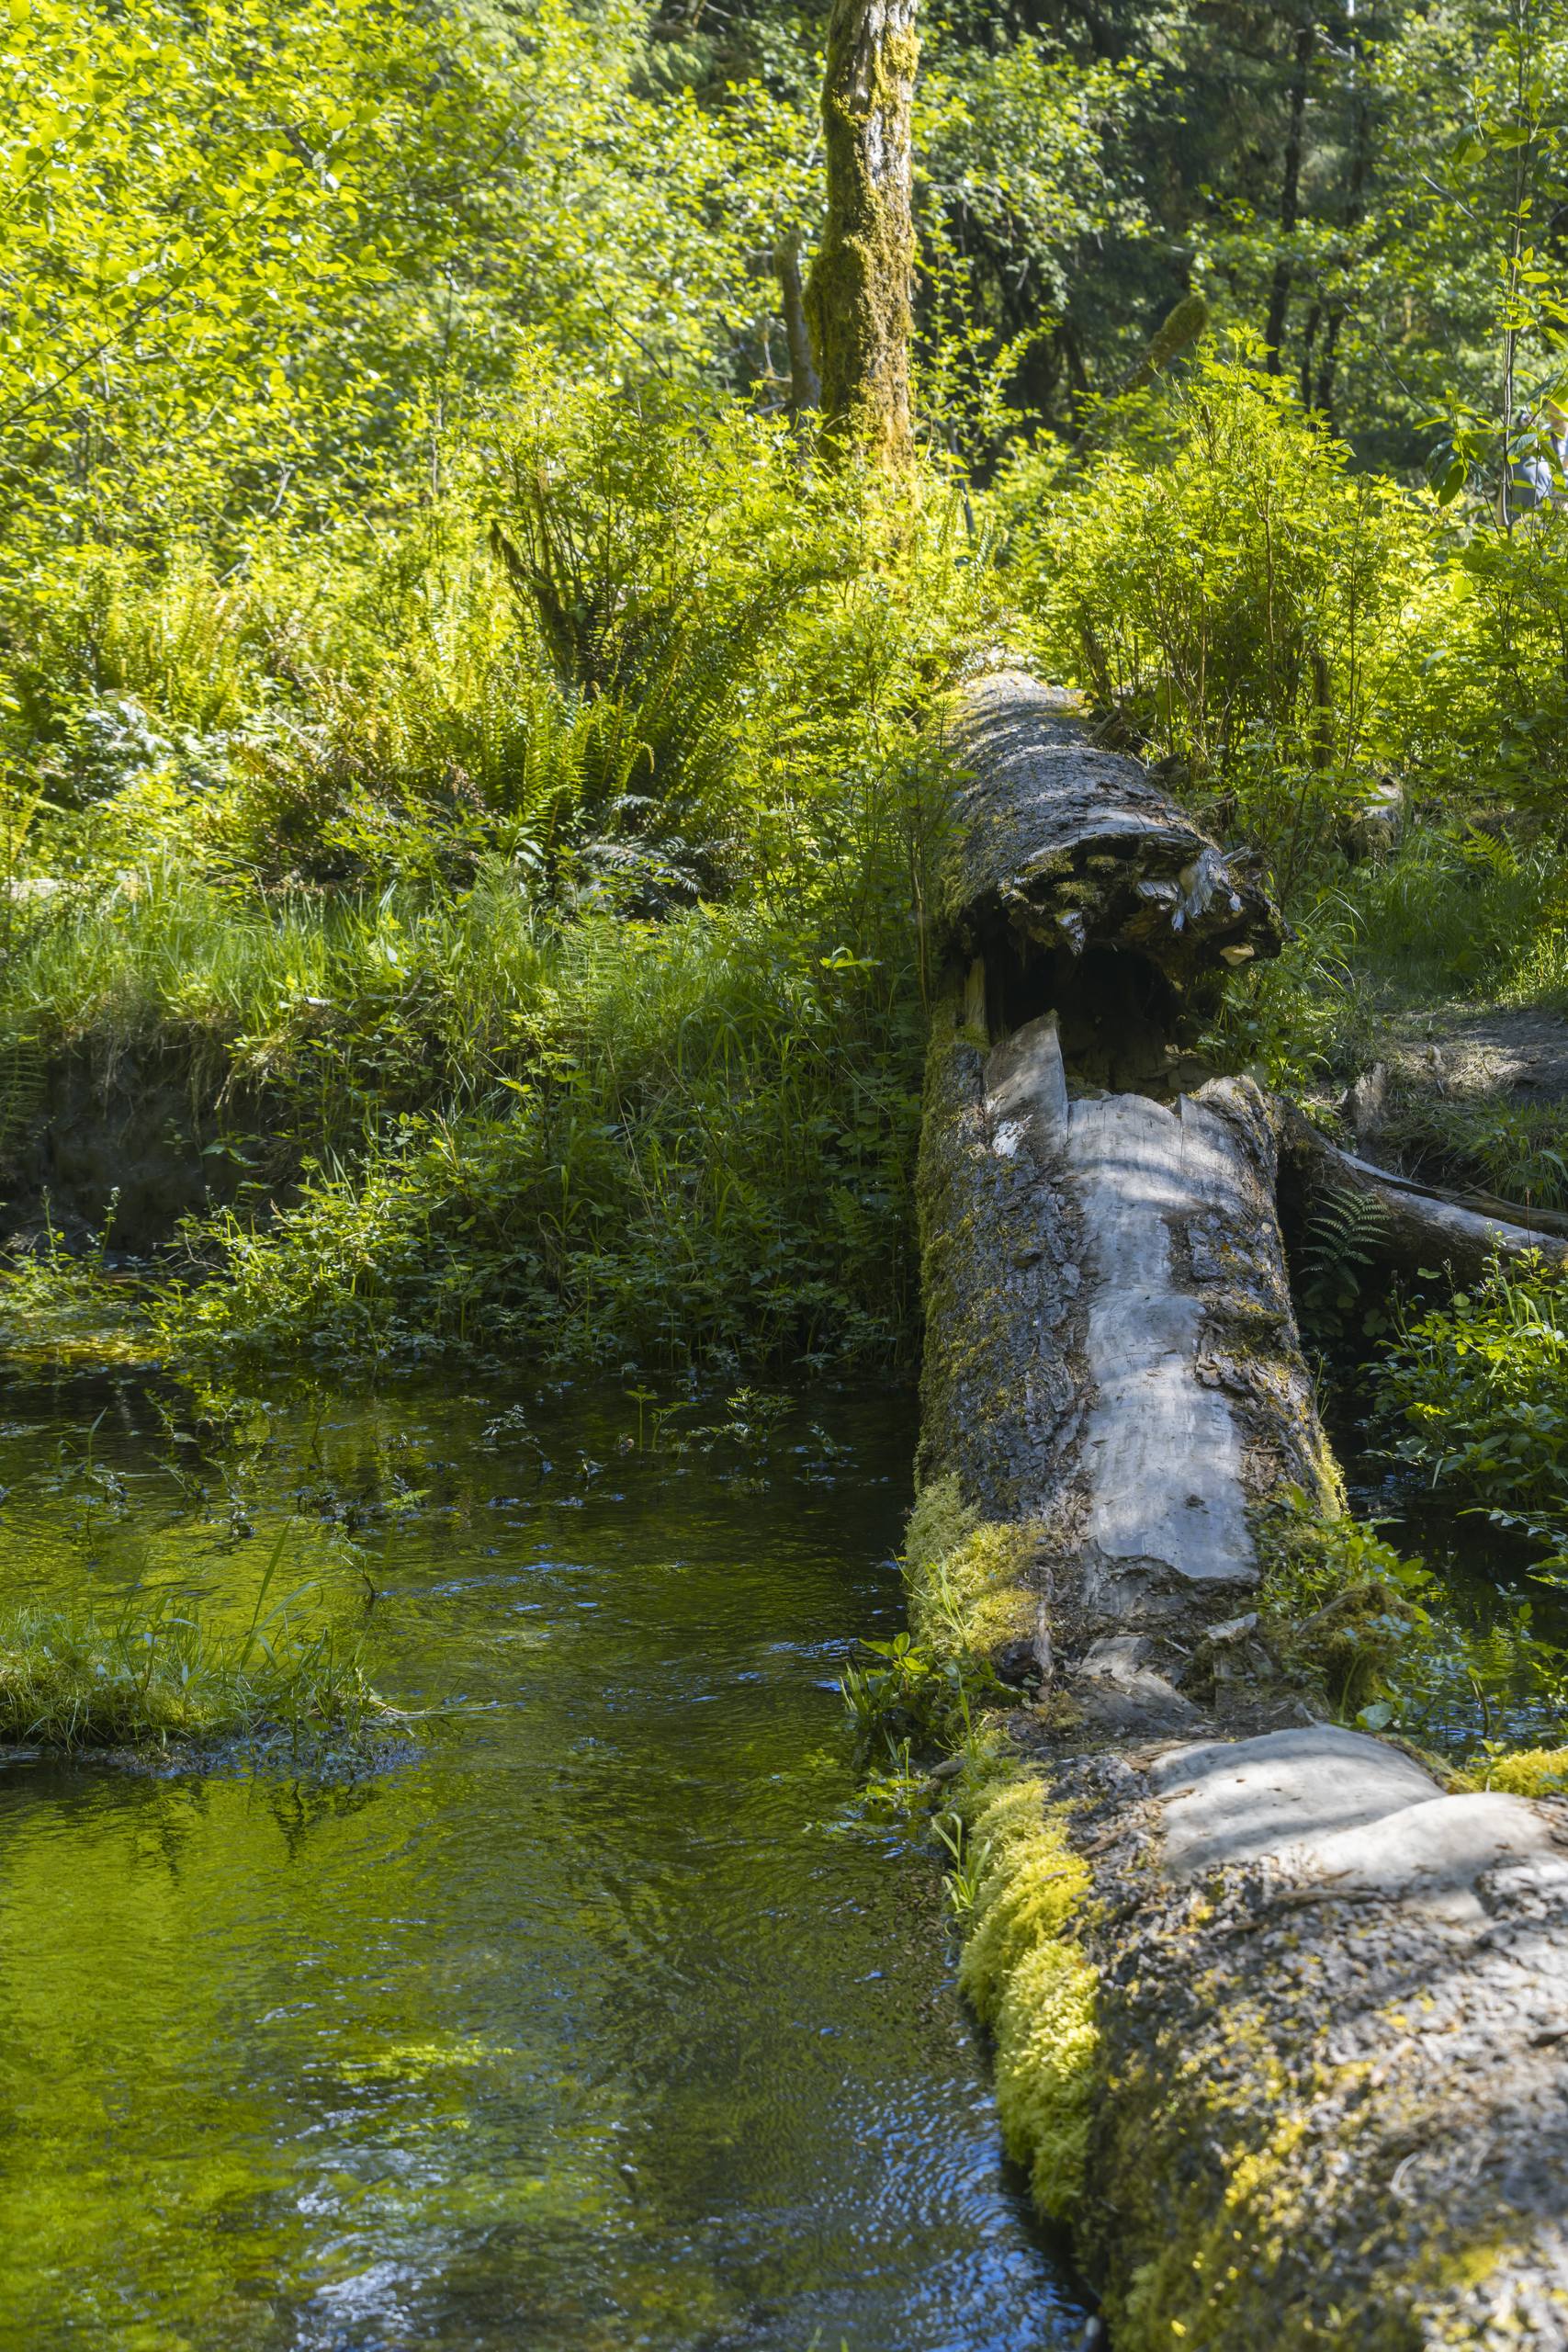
[
  {"x": 858, "y": 301},
  {"x": 1290, "y": 193},
  {"x": 806, "y": 392}
]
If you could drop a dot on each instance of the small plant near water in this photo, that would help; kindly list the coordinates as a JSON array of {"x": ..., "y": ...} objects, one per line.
[
  {"x": 64, "y": 1306},
  {"x": 909, "y": 1695},
  {"x": 151, "y": 1674},
  {"x": 1374, "y": 1629},
  {"x": 1472, "y": 1397},
  {"x": 1341, "y": 1605}
]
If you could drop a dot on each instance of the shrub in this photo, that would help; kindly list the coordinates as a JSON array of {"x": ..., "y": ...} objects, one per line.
[
  {"x": 1473, "y": 1396},
  {"x": 710, "y": 1157},
  {"x": 1239, "y": 597}
]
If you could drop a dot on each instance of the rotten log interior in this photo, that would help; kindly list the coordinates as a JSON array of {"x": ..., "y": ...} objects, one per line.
[{"x": 1085, "y": 890}]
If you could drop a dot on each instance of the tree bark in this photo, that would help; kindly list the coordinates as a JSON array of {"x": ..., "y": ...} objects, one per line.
[
  {"x": 1064, "y": 852},
  {"x": 806, "y": 392},
  {"x": 858, "y": 297},
  {"x": 1279, "y": 2017},
  {"x": 1289, "y": 192}
]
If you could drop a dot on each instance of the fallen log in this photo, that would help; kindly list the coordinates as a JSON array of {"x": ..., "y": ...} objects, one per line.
[
  {"x": 1061, "y": 849},
  {"x": 1248, "y": 1974},
  {"x": 1419, "y": 1230}
]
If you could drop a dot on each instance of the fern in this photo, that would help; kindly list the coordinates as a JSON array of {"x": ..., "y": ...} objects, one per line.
[{"x": 1345, "y": 1238}]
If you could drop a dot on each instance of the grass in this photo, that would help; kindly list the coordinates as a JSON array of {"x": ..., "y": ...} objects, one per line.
[
  {"x": 610, "y": 1141},
  {"x": 151, "y": 1674},
  {"x": 58, "y": 1309},
  {"x": 1457, "y": 914},
  {"x": 532, "y": 996}
]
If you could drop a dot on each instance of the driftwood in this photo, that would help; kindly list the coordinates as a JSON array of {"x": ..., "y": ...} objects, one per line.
[
  {"x": 1420, "y": 1230},
  {"x": 1320, "y": 2103}
]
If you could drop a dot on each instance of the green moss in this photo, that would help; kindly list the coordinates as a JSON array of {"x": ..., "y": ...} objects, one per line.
[
  {"x": 1532, "y": 1772},
  {"x": 1028, "y": 1979},
  {"x": 966, "y": 1577}
]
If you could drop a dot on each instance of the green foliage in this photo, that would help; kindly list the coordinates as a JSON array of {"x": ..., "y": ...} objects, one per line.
[
  {"x": 254, "y": 259},
  {"x": 913, "y": 1698},
  {"x": 1513, "y": 1150},
  {"x": 555, "y": 908},
  {"x": 1472, "y": 1396},
  {"x": 1342, "y": 1243},
  {"x": 1455, "y": 912},
  {"x": 712, "y": 1154},
  {"x": 1235, "y": 593},
  {"x": 1343, "y": 1606}
]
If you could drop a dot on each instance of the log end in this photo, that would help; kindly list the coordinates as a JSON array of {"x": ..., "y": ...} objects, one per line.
[{"x": 1062, "y": 846}]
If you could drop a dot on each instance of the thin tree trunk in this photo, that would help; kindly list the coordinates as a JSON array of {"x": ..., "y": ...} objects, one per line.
[
  {"x": 1355, "y": 204},
  {"x": 858, "y": 297},
  {"x": 1289, "y": 192},
  {"x": 806, "y": 392}
]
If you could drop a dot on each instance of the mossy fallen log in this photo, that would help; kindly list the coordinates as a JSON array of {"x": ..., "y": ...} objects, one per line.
[
  {"x": 1061, "y": 847},
  {"x": 1275, "y": 2012}
]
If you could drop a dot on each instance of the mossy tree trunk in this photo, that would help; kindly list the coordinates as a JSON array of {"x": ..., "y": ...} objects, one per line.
[{"x": 859, "y": 299}]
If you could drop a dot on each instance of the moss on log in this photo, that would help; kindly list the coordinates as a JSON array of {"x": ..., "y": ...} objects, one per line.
[{"x": 1279, "y": 2019}]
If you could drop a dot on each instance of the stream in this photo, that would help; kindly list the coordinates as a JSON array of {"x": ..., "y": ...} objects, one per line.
[{"x": 609, "y": 2015}]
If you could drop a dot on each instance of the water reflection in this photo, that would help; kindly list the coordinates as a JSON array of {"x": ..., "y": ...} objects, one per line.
[{"x": 608, "y": 2021}]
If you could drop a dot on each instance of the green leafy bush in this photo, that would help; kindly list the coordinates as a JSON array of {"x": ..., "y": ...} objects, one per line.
[
  {"x": 1473, "y": 1397},
  {"x": 1235, "y": 594}
]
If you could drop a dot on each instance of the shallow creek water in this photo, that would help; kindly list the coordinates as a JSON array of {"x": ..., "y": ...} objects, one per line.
[{"x": 610, "y": 2018}]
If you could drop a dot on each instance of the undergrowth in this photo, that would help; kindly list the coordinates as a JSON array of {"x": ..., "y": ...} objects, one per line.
[
  {"x": 528, "y": 902},
  {"x": 1471, "y": 1399}
]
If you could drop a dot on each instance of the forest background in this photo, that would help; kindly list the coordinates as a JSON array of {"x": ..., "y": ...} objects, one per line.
[{"x": 472, "y": 769}]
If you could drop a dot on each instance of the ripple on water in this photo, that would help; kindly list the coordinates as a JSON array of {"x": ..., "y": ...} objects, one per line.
[{"x": 606, "y": 2022}]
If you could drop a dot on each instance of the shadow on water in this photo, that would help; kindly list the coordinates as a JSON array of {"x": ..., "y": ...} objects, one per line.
[{"x": 611, "y": 2019}]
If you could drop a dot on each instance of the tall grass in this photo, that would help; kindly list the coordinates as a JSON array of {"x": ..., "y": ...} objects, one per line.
[
  {"x": 150, "y": 1673},
  {"x": 547, "y": 886},
  {"x": 709, "y": 1157}
]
